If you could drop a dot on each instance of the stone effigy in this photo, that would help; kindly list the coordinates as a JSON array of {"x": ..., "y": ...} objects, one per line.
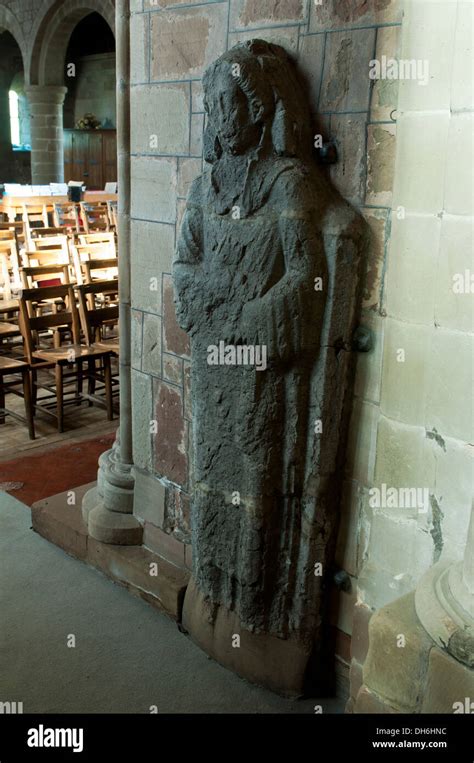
[{"x": 266, "y": 280}]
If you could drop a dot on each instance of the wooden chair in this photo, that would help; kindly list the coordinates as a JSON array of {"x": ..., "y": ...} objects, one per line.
[
  {"x": 82, "y": 253},
  {"x": 57, "y": 243},
  {"x": 10, "y": 260},
  {"x": 12, "y": 367},
  {"x": 97, "y": 320},
  {"x": 112, "y": 211},
  {"x": 58, "y": 358},
  {"x": 34, "y": 216},
  {"x": 106, "y": 239},
  {"x": 66, "y": 216},
  {"x": 100, "y": 270},
  {"x": 93, "y": 216}
]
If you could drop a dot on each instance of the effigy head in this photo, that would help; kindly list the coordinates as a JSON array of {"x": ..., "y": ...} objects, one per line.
[{"x": 252, "y": 93}]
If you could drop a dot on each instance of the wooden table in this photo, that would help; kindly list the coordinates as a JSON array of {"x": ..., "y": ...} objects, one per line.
[{"x": 13, "y": 205}]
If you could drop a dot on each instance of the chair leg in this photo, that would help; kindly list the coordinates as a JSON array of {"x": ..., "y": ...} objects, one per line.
[
  {"x": 34, "y": 390},
  {"x": 58, "y": 373},
  {"x": 108, "y": 387},
  {"x": 91, "y": 380},
  {"x": 79, "y": 380},
  {"x": 2, "y": 401},
  {"x": 28, "y": 404}
]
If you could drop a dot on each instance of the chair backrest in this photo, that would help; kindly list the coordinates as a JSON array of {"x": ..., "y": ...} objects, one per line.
[
  {"x": 106, "y": 269},
  {"x": 86, "y": 253},
  {"x": 38, "y": 276},
  {"x": 94, "y": 216},
  {"x": 60, "y": 244},
  {"x": 92, "y": 316},
  {"x": 9, "y": 251},
  {"x": 65, "y": 215},
  {"x": 31, "y": 324},
  {"x": 35, "y": 213},
  {"x": 107, "y": 238}
]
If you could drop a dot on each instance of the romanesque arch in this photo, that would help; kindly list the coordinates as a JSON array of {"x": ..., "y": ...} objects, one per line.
[
  {"x": 9, "y": 23},
  {"x": 53, "y": 33}
]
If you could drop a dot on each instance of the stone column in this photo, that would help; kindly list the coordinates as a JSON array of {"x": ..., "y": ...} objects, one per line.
[
  {"x": 444, "y": 602},
  {"x": 47, "y": 154},
  {"x": 108, "y": 508}
]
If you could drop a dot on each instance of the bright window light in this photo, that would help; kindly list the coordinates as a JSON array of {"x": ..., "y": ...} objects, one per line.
[{"x": 14, "y": 118}]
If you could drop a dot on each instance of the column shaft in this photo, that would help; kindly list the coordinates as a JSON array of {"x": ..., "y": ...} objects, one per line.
[{"x": 47, "y": 152}]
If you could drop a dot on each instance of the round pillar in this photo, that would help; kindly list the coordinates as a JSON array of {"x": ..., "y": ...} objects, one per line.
[{"x": 47, "y": 152}]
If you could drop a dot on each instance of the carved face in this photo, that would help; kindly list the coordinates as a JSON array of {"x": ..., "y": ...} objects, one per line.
[{"x": 229, "y": 114}]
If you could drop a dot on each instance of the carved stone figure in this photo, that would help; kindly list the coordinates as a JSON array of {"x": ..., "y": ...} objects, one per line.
[{"x": 265, "y": 278}]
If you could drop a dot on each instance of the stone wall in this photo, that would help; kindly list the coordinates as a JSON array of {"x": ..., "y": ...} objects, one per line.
[
  {"x": 414, "y": 427},
  {"x": 92, "y": 90},
  {"x": 171, "y": 46}
]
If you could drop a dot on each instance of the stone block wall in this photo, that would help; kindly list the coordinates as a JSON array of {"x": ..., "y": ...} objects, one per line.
[
  {"x": 414, "y": 427},
  {"x": 92, "y": 90},
  {"x": 171, "y": 44}
]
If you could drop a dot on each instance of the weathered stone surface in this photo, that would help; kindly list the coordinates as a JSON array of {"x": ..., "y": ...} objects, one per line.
[
  {"x": 360, "y": 632},
  {"x": 185, "y": 40},
  {"x": 61, "y": 523},
  {"x": 148, "y": 497},
  {"x": 368, "y": 702},
  {"x": 173, "y": 369},
  {"x": 154, "y": 188},
  {"x": 268, "y": 263},
  {"x": 172, "y": 433},
  {"x": 252, "y": 13},
  {"x": 177, "y": 514},
  {"x": 161, "y": 119},
  {"x": 142, "y": 415},
  {"x": 174, "y": 338},
  {"x": 164, "y": 544},
  {"x": 381, "y": 164},
  {"x": 349, "y": 173},
  {"x": 346, "y": 84},
  {"x": 353, "y": 13},
  {"x": 152, "y": 247},
  {"x": 144, "y": 573},
  {"x": 395, "y": 672},
  {"x": 151, "y": 357},
  {"x": 449, "y": 685}
]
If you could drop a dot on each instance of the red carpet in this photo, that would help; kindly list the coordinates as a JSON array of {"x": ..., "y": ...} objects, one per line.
[{"x": 32, "y": 477}]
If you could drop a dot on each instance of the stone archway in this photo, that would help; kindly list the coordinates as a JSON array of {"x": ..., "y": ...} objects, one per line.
[
  {"x": 14, "y": 167},
  {"x": 53, "y": 33},
  {"x": 47, "y": 89},
  {"x": 9, "y": 23}
]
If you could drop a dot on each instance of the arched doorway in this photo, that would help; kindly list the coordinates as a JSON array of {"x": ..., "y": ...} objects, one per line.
[
  {"x": 66, "y": 32},
  {"x": 14, "y": 114}
]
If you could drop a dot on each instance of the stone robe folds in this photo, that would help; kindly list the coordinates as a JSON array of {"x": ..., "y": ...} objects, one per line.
[{"x": 245, "y": 275}]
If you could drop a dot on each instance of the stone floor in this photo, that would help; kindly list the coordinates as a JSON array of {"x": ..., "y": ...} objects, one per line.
[{"x": 127, "y": 657}]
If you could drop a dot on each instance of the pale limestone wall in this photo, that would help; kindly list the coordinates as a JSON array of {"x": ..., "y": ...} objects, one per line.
[{"x": 415, "y": 427}]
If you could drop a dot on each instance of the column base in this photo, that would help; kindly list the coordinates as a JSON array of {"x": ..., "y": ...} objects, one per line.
[
  {"x": 275, "y": 663},
  {"x": 107, "y": 509},
  {"x": 442, "y": 605}
]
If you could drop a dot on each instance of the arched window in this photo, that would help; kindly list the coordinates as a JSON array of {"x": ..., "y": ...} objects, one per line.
[{"x": 14, "y": 118}]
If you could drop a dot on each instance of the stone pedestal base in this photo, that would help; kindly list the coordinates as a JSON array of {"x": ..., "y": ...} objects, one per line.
[
  {"x": 406, "y": 672},
  {"x": 277, "y": 664},
  {"x": 141, "y": 571},
  {"x": 107, "y": 509}
]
